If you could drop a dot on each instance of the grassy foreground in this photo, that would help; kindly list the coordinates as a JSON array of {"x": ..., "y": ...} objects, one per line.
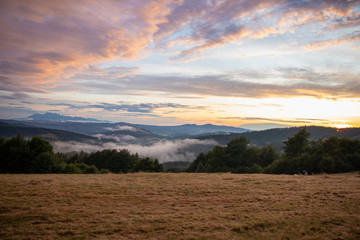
[{"x": 180, "y": 206}]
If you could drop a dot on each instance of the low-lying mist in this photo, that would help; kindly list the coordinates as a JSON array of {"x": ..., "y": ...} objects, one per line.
[{"x": 164, "y": 150}]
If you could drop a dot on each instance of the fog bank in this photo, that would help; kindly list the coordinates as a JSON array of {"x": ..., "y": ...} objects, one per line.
[{"x": 164, "y": 150}]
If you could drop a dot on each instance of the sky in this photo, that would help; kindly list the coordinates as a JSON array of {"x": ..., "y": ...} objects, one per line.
[{"x": 170, "y": 62}]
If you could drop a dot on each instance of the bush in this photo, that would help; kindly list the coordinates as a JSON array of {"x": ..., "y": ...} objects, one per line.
[
  {"x": 90, "y": 170},
  {"x": 72, "y": 168}
]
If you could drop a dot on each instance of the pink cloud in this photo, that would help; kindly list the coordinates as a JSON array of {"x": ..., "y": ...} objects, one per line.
[
  {"x": 317, "y": 45},
  {"x": 210, "y": 24},
  {"x": 43, "y": 42}
]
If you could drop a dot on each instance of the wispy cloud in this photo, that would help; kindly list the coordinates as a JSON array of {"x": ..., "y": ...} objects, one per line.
[
  {"x": 316, "y": 45},
  {"x": 281, "y": 120},
  {"x": 45, "y": 41},
  {"x": 128, "y": 107},
  {"x": 111, "y": 73},
  {"x": 252, "y": 84},
  {"x": 141, "y": 48},
  {"x": 210, "y": 24},
  {"x": 17, "y": 96}
]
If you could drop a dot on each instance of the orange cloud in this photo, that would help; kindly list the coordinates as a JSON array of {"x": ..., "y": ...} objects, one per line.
[
  {"x": 317, "y": 45},
  {"x": 45, "y": 41}
]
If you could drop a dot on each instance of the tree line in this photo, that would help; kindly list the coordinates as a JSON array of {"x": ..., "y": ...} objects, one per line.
[
  {"x": 19, "y": 155},
  {"x": 331, "y": 155}
]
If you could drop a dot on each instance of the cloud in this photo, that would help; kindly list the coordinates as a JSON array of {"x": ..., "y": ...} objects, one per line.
[
  {"x": 111, "y": 73},
  {"x": 55, "y": 46},
  {"x": 122, "y": 128},
  {"x": 317, "y": 45},
  {"x": 136, "y": 108},
  {"x": 17, "y": 95},
  {"x": 350, "y": 21},
  {"x": 164, "y": 151},
  {"x": 129, "y": 107},
  {"x": 282, "y": 120},
  {"x": 259, "y": 83},
  {"x": 209, "y": 24},
  {"x": 118, "y": 138},
  {"x": 249, "y": 84},
  {"x": 45, "y": 41}
]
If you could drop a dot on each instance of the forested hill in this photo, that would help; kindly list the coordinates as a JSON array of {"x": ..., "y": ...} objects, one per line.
[
  {"x": 8, "y": 131},
  {"x": 276, "y": 137}
]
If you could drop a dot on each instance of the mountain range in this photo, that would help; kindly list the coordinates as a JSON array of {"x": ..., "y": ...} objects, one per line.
[
  {"x": 48, "y": 116},
  {"x": 167, "y": 143},
  {"x": 89, "y": 126}
]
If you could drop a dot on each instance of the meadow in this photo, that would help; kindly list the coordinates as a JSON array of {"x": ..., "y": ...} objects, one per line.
[{"x": 179, "y": 206}]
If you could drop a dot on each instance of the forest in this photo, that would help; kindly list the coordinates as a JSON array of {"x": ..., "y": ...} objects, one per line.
[
  {"x": 37, "y": 156},
  {"x": 331, "y": 155},
  {"x": 299, "y": 154}
]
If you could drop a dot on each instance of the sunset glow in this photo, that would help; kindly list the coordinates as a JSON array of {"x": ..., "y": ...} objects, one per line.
[{"x": 170, "y": 62}]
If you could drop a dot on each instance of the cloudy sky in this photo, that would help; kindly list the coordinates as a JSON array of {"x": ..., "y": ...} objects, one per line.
[{"x": 171, "y": 62}]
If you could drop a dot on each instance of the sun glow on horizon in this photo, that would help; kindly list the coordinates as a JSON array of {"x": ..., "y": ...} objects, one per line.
[{"x": 340, "y": 126}]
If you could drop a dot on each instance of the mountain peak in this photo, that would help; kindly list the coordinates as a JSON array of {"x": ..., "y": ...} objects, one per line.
[{"x": 48, "y": 116}]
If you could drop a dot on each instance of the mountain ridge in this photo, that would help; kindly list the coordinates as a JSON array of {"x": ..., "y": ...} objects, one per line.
[
  {"x": 48, "y": 116},
  {"x": 90, "y": 126}
]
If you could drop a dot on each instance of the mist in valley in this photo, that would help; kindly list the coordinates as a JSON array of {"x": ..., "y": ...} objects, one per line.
[{"x": 164, "y": 150}]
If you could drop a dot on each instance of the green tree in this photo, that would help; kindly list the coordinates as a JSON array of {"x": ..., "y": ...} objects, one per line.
[
  {"x": 91, "y": 170},
  {"x": 15, "y": 156},
  {"x": 198, "y": 164},
  {"x": 147, "y": 165},
  {"x": 46, "y": 162},
  {"x": 72, "y": 168},
  {"x": 37, "y": 146},
  {"x": 268, "y": 155},
  {"x": 297, "y": 145},
  {"x": 216, "y": 160}
]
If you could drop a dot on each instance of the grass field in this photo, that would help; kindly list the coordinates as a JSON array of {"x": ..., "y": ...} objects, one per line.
[{"x": 180, "y": 206}]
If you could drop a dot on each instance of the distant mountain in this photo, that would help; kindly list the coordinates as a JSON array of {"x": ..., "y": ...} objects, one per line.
[
  {"x": 8, "y": 131},
  {"x": 57, "y": 117},
  {"x": 263, "y": 126},
  {"x": 189, "y": 129},
  {"x": 92, "y": 127},
  {"x": 103, "y": 132},
  {"x": 276, "y": 137}
]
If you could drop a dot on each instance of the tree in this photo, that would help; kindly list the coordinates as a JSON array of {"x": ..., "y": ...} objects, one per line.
[
  {"x": 15, "y": 156},
  {"x": 146, "y": 165},
  {"x": 198, "y": 164},
  {"x": 37, "y": 146},
  {"x": 216, "y": 160},
  {"x": 46, "y": 162},
  {"x": 237, "y": 146},
  {"x": 91, "y": 170},
  {"x": 268, "y": 155},
  {"x": 72, "y": 168},
  {"x": 297, "y": 145}
]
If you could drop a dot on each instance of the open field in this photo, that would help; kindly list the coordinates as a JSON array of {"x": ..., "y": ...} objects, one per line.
[{"x": 180, "y": 206}]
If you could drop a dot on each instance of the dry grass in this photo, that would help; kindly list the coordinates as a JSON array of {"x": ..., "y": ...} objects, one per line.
[{"x": 179, "y": 206}]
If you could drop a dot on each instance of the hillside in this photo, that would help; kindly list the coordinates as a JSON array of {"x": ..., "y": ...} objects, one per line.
[
  {"x": 276, "y": 137},
  {"x": 187, "y": 130},
  {"x": 8, "y": 131},
  {"x": 104, "y": 132},
  {"x": 89, "y": 126}
]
